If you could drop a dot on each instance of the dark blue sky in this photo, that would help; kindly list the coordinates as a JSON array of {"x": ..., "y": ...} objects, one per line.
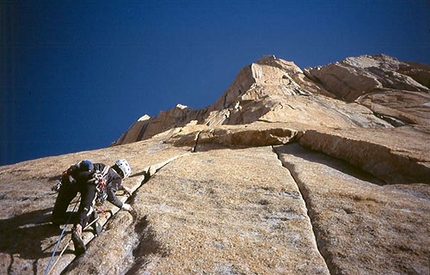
[{"x": 76, "y": 74}]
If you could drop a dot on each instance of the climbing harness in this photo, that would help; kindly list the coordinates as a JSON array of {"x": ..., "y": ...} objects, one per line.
[{"x": 99, "y": 179}]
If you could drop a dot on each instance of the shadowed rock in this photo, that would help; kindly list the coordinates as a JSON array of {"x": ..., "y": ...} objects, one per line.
[{"x": 318, "y": 171}]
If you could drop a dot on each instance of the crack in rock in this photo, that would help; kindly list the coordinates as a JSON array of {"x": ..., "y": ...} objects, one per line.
[
  {"x": 145, "y": 235},
  {"x": 304, "y": 192}
]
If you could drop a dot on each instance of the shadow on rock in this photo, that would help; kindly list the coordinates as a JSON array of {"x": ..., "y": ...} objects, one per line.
[
  {"x": 297, "y": 150},
  {"x": 148, "y": 245},
  {"x": 25, "y": 233}
]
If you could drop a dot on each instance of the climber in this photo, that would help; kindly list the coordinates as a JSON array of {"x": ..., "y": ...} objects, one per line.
[{"x": 93, "y": 181}]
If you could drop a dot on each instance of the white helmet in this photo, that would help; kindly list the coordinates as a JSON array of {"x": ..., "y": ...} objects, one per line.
[{"x": 125, "y": 168}]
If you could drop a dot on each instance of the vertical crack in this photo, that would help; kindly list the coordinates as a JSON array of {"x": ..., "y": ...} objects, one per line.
[
  {"x": 146, "y": 243},
  {"x": 12, "y": 260},
  {"x": 308, "y": 204},
  {"x": 194, "y": 149},
  {"x": 139, "y": 224}
]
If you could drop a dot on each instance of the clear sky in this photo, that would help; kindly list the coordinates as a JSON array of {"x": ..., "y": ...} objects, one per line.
[{"x": 75, "y": 75}]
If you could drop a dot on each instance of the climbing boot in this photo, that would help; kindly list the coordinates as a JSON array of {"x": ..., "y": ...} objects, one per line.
[
  {"x": 97, "y": 228},
  {"x": 96, "y": 225},
  {"x": 77, "y": 240}
]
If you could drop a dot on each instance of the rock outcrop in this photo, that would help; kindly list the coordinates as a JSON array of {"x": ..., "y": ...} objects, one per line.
[
  {"x": 318, "y": 171},
  {"x": 274, "y": 90}
]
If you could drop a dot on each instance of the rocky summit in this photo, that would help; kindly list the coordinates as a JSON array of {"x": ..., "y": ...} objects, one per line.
[{"x": 324, "y": 170}]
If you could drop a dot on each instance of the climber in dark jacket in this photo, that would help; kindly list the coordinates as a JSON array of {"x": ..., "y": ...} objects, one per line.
[{"x": 82, "y": 178}]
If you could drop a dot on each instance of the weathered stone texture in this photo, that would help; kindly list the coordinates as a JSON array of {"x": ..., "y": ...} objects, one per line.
[
  {"x": 320, "y": 171},
  {"x": 213, "y": 219},
  {"x": 385, "y": 228}
]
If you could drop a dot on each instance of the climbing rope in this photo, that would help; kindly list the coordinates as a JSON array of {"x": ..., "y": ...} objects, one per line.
[
  {"x": 67, "y": 245},
  {"x": 61, "y": 236}
]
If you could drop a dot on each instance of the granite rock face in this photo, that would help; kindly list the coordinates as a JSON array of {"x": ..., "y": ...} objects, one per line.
[{"x": 318, "y": 171}]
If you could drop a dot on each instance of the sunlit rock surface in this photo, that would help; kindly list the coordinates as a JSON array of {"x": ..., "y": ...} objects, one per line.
[{"x": 318, "y": 171}]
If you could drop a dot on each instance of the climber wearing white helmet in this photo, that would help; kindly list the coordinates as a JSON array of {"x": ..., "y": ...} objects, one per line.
[{"x": 95, "y": 181}]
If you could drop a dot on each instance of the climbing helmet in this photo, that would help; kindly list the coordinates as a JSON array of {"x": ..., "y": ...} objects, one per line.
[
  {"x": 86, "y": 165},
  {"x": 124, "y": 167}
]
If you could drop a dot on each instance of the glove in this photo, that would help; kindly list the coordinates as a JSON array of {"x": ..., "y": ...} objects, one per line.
[{"x": 127, "y": 207}]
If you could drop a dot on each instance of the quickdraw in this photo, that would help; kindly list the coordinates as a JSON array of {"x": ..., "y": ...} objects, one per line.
[{"x": 100, "y": 182}]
